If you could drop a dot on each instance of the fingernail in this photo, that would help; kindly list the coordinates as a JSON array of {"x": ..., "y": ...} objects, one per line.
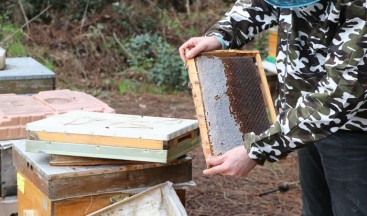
[{"x": 188, "y": 55}]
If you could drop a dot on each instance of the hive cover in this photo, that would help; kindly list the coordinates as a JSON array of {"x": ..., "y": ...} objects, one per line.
[{"x": 113, "y": 136}]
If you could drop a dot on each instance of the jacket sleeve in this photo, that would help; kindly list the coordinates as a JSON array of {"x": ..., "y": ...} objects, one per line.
[
  {"x": 336, "y": 100},
  {"x": 243, "y": 22}
]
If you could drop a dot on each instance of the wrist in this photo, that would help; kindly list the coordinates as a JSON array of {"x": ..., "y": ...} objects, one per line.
[{"x": 221, "y": 41}]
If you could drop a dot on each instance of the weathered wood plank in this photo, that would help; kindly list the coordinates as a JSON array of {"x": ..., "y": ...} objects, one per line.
[
  {"x": 64, "y": 160},
  {"x": 30, "y": 198},
  {"x": 95, "y": 140},
  {"x": 68, "y": 182},
  {"x": 199, "y": 107},
  {"x": 35, "y": 201}
]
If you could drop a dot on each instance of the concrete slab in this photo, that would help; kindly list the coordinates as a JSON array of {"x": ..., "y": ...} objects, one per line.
[
  {"x": 24, "y": 75},
  {"x": 21, "y": 68}
]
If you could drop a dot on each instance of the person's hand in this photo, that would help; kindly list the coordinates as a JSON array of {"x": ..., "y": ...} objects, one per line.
[
  {"x": 197, "y": 45},
  {"x": 234, "y": 162}
]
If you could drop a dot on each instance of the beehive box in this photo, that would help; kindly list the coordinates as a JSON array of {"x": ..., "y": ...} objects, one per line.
[
  {"x": 80, "y": 190},
  {"x": 33, "y": 202},
  {"x": 24, "y": 75},
  {"x": 113, "y": 136},
  {"x": 8, "y": 185},
  {"x": 231, "y": 97},
  {"x": 18, "y": 110}
]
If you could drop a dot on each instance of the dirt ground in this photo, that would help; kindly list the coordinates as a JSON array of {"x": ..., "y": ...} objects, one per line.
[{"x": 220, "y": 195}]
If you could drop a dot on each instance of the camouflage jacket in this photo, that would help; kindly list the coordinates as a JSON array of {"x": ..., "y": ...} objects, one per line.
[{"x": 322, "y": 70}]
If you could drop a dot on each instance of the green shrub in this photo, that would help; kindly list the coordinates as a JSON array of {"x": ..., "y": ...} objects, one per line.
[
  {"x": 17, "y": 50},
  {"x": 11, "y": 40},
  {"x": 154, "y": 56},
  {"x": 134, "y": 17}
]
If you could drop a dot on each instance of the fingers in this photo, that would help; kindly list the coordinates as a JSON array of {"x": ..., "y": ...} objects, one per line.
[
  {"x": 197, "y": 45},
  {"x": 182, "y": 51},
  {"x": 234, "y": 162},
  {"x": 195, "y": 51},
  {"x": 186, "y": 46},
  {"x": 220, "y": 169},
  {"x": 215, "y": 160}
]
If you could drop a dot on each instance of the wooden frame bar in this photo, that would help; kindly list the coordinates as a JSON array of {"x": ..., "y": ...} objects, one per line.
[{"x": 198, "y": 94}]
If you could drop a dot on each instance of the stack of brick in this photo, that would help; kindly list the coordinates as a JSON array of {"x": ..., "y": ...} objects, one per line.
[
  {"x": 22, "y": 75},
  {"x": 18, "y": 110}
]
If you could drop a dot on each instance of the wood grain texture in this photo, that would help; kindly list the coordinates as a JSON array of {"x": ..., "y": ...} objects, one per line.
[
  {"x": 95, "y": 140},
  {"x": 35, "y": 202},
  {"x": 265, "y": 89},
  {"x": 68, "y": 182},
  {"x": 64, "y": 160},
  {"x": 199, "y": 107}
]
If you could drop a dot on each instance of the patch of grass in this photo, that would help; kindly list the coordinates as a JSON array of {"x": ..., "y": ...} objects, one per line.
[
  {"x": 16, "y": 50},
  {"x": 136, "y": 87}
]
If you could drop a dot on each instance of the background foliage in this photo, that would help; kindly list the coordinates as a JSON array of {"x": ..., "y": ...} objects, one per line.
[{"x": 104, "y": 45}]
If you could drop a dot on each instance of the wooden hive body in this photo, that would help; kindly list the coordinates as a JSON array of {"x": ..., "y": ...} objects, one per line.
[
  {"x": 231, "y": 98},
  {"x": 32, "y": 201},
  {"x": 113, "y": 136},
  {"x": 60, "y": 187}
]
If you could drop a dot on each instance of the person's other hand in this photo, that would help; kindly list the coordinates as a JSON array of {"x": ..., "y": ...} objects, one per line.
[
  {"x": 235, "y": 162},
  {"x": 197, "y": 45}
]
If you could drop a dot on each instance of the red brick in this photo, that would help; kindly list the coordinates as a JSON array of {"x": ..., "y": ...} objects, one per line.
[{"x": 18, "y": 110}]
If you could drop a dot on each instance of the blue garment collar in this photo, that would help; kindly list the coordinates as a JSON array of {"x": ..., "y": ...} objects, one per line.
[{"x": 290, "y": 3}]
